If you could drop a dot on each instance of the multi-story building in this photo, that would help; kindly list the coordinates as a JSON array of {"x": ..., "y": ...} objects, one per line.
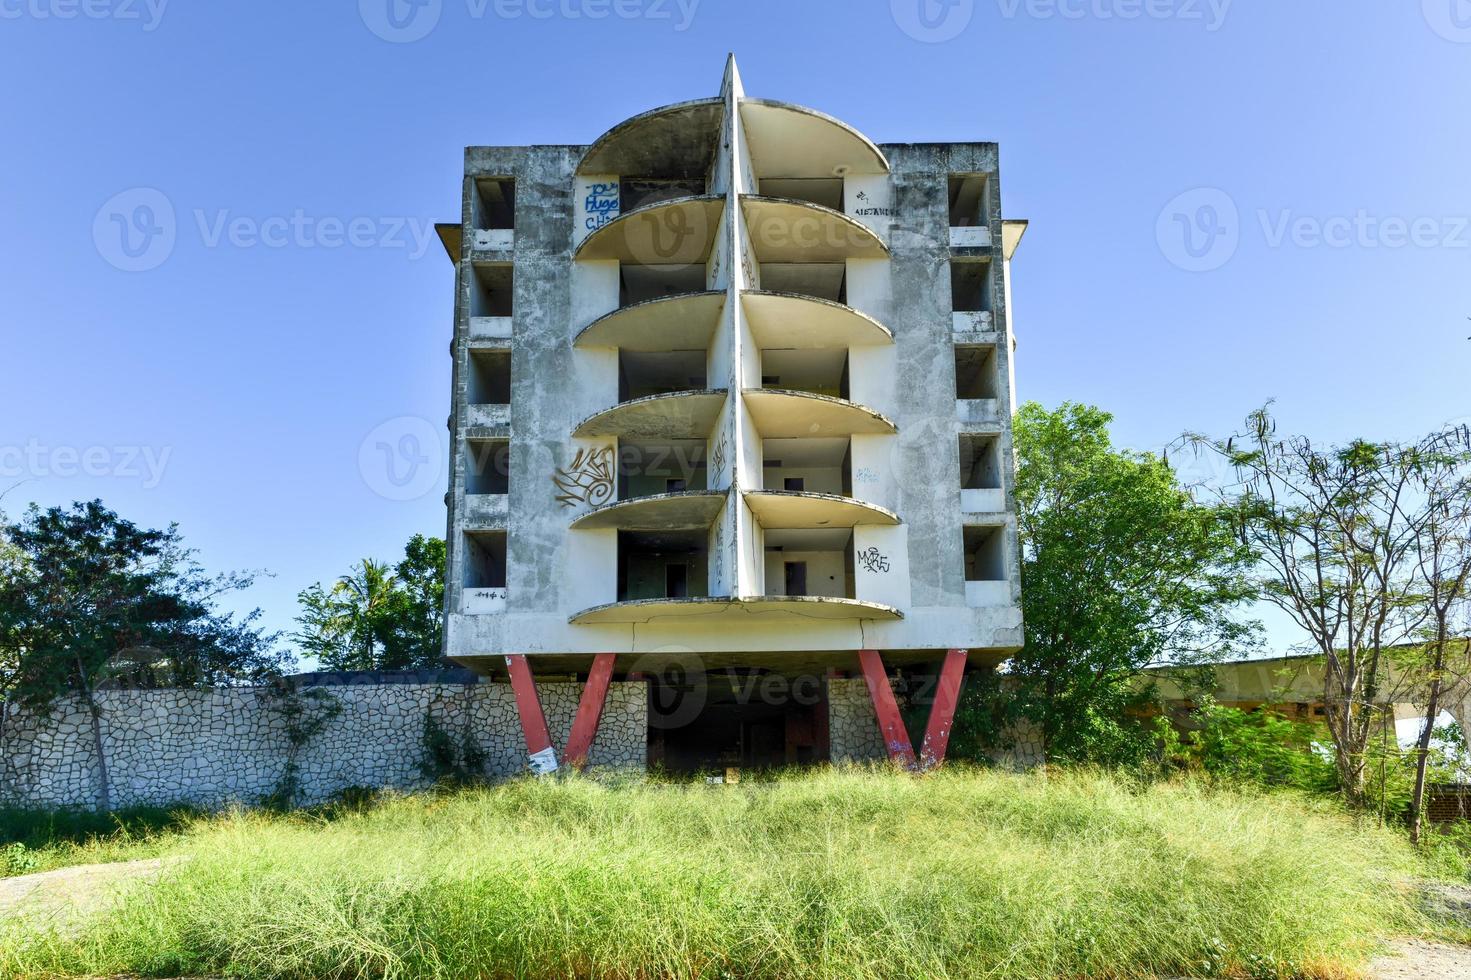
[{"x": 732, "y": 400}]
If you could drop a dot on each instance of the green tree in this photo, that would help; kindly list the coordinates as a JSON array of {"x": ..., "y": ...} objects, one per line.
[
  {"x": 1342, "y": 538},
  {"x": 1122, "y": 569},
  {"x": 378, "y": 617},
  {"x": 88, "y": 599}
]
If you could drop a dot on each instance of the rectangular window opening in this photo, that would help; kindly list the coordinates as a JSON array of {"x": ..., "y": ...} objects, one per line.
[
  {"x": 488, "y": 466},
  {"x": 495, "y": 203},
  {"x": 970, "y": 286},
  {"x": 818, "y": 371},
  {"x": 490, "y": 289},
  {"x": 969, "y": 200},
  {"x": 980, "y": 463},
  {"x": 975, "y": 372},
  {"x": 490, "y": 377},
  {"x": 644, "y": 373},
  {"x": 985, "y": 554},
  {"x": 641, "y": 283},
  {"x": 485, "y": 560}
]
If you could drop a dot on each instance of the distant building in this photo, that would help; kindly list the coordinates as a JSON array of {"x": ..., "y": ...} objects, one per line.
[{"x": 731, "y": 415}]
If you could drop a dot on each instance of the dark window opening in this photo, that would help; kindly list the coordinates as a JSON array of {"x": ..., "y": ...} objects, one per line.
[
  {"x": 638, "y": 192},
  {"x": 644, "y": 373},
  {"x": 662, "y": 565},
  {"x": 663, "y": 466},
  {"x": 823, "y": 191},
  {"x": 490, "y": 377},
  {"x": 641, "y": 283},
  {"x": 821, "y": 465},
  {"x": 677, "y": 581},
  {"x": 985, "y": 554},
  {"x": 819, "y": 371},
  {"x": 485, "y": 560},
  {"x": 491, "y": 290},
  {"x": 969, "y": 200},
  {"x": 975, "y": 372},
  {"x": 488, "y": 465},
  {"x": 820, "y": 279},
  {"x": 980, "y": 463},
  {"x": 970, "y": 286},
  {"x": 495, "y": 203}
]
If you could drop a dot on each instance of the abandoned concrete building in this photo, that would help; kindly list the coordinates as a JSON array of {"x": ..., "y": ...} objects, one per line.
[{"x": 731, "y": 420}]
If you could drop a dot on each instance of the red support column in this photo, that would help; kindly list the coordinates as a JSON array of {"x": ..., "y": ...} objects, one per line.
[
  {"x": 891, "y": 725},
  {"x": 543, "y": 758},
  {"x": 590, "y": 710},
  {"x": 942, "y": 711}
]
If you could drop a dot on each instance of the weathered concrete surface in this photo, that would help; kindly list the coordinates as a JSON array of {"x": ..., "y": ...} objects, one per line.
[{"x": 888, "y": 248}]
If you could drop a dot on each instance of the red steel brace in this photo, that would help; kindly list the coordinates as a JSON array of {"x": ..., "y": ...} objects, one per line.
[
  {"x": 590, "y": 710},
  {"x": 543, "y": 758},
  {"x": 891, "y": 725},
  {"x": 942, "y": 711}
]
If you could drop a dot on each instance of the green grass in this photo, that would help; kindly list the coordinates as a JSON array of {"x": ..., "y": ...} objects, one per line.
[
  {"x": 42, "y": 840},
  {"x": 841, "y": 874}
]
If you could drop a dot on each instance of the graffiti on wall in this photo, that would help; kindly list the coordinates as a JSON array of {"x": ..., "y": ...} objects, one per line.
[
  {"x": 873, "y": 561},
  {"x": 589, "y": 480},
  {"x": 601, "y": 204}
]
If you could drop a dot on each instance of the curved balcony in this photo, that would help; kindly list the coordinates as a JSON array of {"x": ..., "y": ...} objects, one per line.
[
  {"x": 788, "y": 509},
  {"x": 782, "y": 414},
  {"x": 718, "y": 609},
  {"x": 787, "y": 320},
  {"x": 677, "y": 415},
  {"x": 786, "y": 230},
  {"x": 683, "y": 322},
  {"x": 680, "y": 231},
  {"x": 789, "y": 140},
  {"x": 688, "y": 510},
  {"x": 676, "y": 140}
]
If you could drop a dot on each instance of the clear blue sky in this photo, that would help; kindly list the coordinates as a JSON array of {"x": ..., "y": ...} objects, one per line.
[{"x": 253, "y": 373}]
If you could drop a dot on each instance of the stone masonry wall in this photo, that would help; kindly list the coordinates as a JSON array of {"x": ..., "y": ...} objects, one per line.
[
  {"x": 853, "y": 730},
  {"x": 213, "y": 748}
]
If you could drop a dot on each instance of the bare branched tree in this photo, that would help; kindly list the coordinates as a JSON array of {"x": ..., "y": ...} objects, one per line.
[
  {"x": 1443, "y": 571},
  {"x": 1336, "y": 534}
]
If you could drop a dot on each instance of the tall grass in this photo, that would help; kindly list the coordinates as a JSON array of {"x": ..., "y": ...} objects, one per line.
[{"x": 842, "y": 874}]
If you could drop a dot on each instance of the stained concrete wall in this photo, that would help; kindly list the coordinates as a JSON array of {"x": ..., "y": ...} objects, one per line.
[
  {"x": 555, "y": 571},
  {"x": 212, "y": 748}
]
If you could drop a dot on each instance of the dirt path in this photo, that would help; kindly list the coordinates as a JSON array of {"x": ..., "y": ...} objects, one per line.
[
  {"x": 1424, "y": 959},
  {"x": 69, "y": 892},
  {"x": 1420, "y": 959}
]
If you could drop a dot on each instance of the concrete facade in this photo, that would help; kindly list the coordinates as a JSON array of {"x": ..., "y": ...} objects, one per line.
[{"x": 733, "y": 383}]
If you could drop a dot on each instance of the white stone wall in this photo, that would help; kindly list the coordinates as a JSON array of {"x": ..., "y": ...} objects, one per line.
[
  {"x": 212, "y": 748},
  {"x": 853, "y": 730}
]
